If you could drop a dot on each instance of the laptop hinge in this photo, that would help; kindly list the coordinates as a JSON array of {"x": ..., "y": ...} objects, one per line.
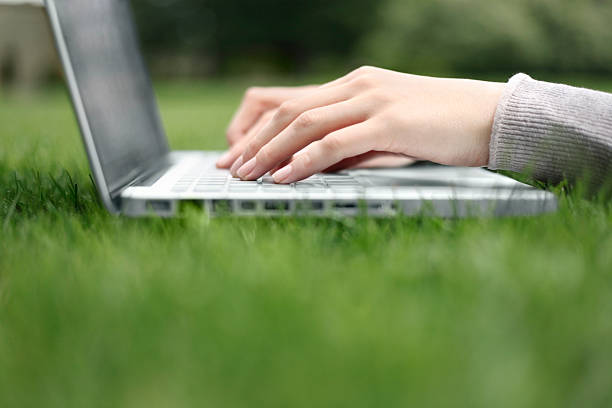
[{"x": 146, "y": 176}]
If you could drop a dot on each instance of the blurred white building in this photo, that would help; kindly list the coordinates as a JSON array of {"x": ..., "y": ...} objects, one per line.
[{"x": 27, "y": 53}]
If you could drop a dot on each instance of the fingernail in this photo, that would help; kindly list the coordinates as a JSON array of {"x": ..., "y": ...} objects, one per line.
[
  {"x": 247, "y": 167},
  {"x": 282, "y": 174},
  {"x": 222, "y": 161},
  {"x": 237, "y": 164}
]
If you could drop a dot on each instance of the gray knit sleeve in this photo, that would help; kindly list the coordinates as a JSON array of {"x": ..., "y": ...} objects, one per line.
[{"x": 552, "y": 131}]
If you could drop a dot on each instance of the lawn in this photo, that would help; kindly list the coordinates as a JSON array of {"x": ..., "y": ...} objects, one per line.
[{"x": 97, "y": 310}]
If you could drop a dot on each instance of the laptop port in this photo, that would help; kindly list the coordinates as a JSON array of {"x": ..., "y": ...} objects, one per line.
[
  {"x": 190, "y": 205},
  {"x": 276, "y": 205},
  {"x": 317, "y": 205},
  {"x": 221, "y": 206},
  {"x": 159, "y": 205},
  {"x": 306, "y": 207},
  {"x": 248, "y": 205},
  {"x": 345, "y": 205}
]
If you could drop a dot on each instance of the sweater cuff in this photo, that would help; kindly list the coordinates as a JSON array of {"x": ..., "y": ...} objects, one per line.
[
  {"x": 551, "y": 131},
  {"x": 500, "y": 156}
]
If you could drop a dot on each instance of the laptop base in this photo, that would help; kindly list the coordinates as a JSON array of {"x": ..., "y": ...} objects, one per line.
[{"x": 429, "y": 189}]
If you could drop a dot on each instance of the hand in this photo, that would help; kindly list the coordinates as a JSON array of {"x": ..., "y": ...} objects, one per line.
[
  {"x": 256, "y": 109},
  {"x": 446, "y": 121},
  {"x": 259, "y": 106}
]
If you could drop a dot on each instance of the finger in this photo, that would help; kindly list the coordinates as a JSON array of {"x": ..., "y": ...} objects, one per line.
[
  {"x": 229, "y": 158},
  {"x": 351, "y": 162},
  {"x": 280, "y": 166},
  {"x": 312, "y": 125},
  {"x": 385, "y": 160},
  {"x": 371, "y": 160},
  {"x": 333, "y": 148},
  {"x": 367, "y": 160},
  {"x": 234, "y": 152},
  {"x": 290, "y": 110},
  {"x": 256, "y": 101}
]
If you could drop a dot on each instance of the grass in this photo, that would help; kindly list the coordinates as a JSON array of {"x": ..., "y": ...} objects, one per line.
[{"x": 97, "y": 310}]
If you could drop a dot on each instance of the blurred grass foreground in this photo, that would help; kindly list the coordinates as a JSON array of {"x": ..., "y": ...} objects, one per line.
[
  {"x": 105, "y": 311},
  {"x": 97, "y": 310}
]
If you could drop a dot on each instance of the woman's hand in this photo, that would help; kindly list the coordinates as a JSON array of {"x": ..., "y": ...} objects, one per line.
[
  {"x": 257, "y": 108},
  {"x": 368, "y": 111}
]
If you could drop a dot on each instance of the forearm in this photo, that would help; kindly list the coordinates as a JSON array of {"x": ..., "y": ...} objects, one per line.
[{"x": 552, "y": 131}]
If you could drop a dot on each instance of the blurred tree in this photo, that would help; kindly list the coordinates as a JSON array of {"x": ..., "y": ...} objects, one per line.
[
  {"x": 433, "y": 36},
  {"x": 482, "y": 36},
  {"x": 288, "y": 34}
]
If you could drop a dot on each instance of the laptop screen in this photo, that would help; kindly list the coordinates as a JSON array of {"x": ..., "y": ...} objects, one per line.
[{"x": 113, "y": 84}]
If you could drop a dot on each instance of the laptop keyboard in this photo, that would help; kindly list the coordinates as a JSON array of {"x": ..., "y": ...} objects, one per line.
[{"x": 220, "y": 181}]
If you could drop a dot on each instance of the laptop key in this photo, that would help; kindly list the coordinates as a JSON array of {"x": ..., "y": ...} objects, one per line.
[{"x": 243, "y": 183}]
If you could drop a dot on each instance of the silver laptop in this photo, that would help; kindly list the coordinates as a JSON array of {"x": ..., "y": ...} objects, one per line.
[{"x": 137, "y": 174}]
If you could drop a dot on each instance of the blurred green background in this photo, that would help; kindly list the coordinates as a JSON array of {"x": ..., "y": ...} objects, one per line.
[
  {"x": 442, "y": 36},
  {"x": 204, "y": 38}
]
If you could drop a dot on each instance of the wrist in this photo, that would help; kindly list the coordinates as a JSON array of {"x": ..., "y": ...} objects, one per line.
[{"x": 491, "y": 97}]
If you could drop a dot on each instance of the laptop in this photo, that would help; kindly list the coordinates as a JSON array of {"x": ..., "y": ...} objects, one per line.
[{"x": 137, "y": 174}]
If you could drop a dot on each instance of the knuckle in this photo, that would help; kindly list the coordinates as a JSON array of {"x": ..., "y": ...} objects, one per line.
[
  {"x": 233, "y": 136},
  {"x": 263, "y": 155},
  {"x": 250, "y": 150},
  {"x": 306, "y": 120},
  {"x": 268, "y": 116},
  {"x": 365, "y": 81},
  {"x": 331, "y": 144},
  {"x": 252, "y": 93},
  {"x": 236, "y": 150},
  {"x": 306, "y": 160},
  {"x": 285, "y": 109},
  {"x": 379, "y": 96},
  {"x": 365, "y": 69}
]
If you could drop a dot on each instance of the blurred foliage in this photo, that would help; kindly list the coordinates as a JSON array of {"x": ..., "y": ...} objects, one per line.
[
  {"x": 484, "y": 35},
  {"x": 287, "y": 34},
  {"x": 413, "y": 35}
]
